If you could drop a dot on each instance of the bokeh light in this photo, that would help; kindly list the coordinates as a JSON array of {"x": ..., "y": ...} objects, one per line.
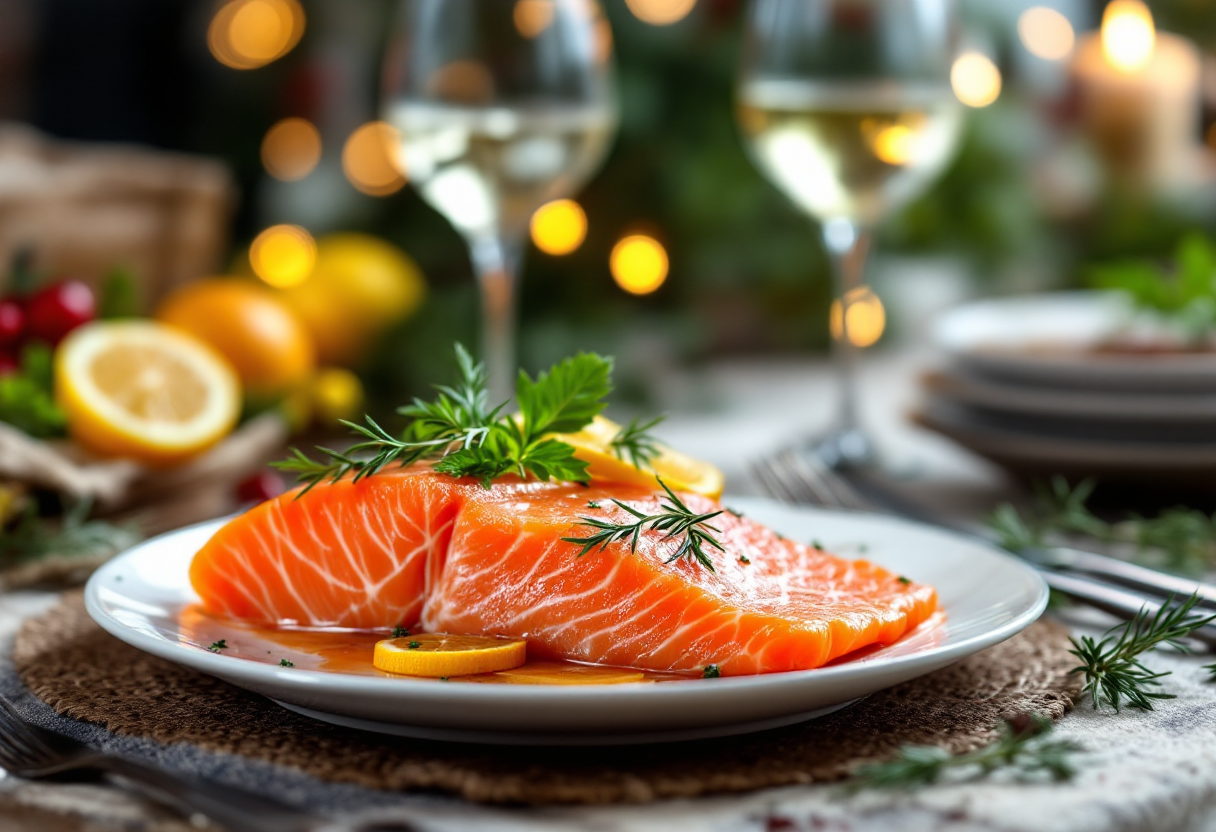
[
  {"x": 559, "y": 227},
  {"x": 976, "y": 79},
  {"x": 1128, "y": 35},
  {"x": 370, "y": 159},
  {"x": 466, "y": 81},
  {"x": 639, "y": 264},
  {"x": 283, "y": 255},
  {"x": 291, "y": 149},
  {"x": 660, "y": 12},
  {"x": 1046, "y": 33},
  {"x": 867, "y": 317},
  {"x": 532, "y": 16},
  {"x": 247, "y": 34}
]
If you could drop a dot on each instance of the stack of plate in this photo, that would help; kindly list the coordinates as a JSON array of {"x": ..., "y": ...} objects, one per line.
[{"x": 1023, "y": 385}]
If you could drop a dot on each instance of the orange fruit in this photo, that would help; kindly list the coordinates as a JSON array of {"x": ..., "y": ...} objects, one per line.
[
  {"x": 269, "y": 347},
  {"x": 144, "y": 390}
]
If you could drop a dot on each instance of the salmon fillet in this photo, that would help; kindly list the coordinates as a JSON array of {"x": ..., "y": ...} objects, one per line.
[{"x": 415, "y": 548}]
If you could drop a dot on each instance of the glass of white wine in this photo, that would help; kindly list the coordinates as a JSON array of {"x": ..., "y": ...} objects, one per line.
[
  {"x": 846, "y": 105},
  {"x": 501, "y": 106}
]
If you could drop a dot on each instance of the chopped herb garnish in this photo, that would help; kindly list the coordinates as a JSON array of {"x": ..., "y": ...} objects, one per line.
[
  {"x": 744, "y": 559},
  {"x": 904, "y": 581},
  {"x": 677, "y": 519},
  {"x": 592, "y": 504},
  {"x": 816, "y": 545},
  {"x": 400, "y": 632},
  {"x": 711, "y": 671},
  {"x": 414, "y": 645},
  {"x": 634, "y": 442},
  {"x": 1112, "y": 668},
  {"x": 217, "y": 646},
  {"x": 443, "y": 678},
  {"x": 286, "y": 663}
]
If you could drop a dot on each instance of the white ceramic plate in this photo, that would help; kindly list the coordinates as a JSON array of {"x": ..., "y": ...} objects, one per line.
[
  {"x": 1043, "y": 339},
  {"x": 987, "y": 597}
]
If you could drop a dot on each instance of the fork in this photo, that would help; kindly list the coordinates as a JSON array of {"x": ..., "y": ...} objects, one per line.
[
  {"x": 31, "y": 752},
  {"x": 797, "y": 476}
]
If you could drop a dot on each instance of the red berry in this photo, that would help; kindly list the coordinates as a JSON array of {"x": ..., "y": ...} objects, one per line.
[
  {"x": 55, "y": 311},
  {"x": 260, "y": 487},
  {"x": 12, "y": 322},
  {"x": 9, "y": 365}
]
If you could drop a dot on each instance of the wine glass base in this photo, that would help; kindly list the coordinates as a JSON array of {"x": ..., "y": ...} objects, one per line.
[{"x": 847, "y": 448}]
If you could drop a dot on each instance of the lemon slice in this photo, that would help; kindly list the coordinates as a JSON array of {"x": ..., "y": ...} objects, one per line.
[
  {"x": 593, "y": 444},
  {"x": 144, "y": 390},
  {"x": 436, "y": 654}
]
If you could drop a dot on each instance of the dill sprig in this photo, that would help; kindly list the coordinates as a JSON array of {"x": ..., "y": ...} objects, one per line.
[
  {"x": 634, "y": 442},
  {"x": 1112, "y": 667},
  {"x": 465, "y": 437},
  {"x": 676, "y": 519},
  {"x": 1184, "y": 538},
  {"x": 1023, "y": 746}
]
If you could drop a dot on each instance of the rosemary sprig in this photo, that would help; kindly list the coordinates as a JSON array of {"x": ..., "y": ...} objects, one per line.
[
  {"x": 676, "y": 519},
  {"x": 1023, "y": 747},
  {"x": 1184, "y": 538},
  {"x": 634, "y": 442},
  {"x": 1112, "y": 667}
]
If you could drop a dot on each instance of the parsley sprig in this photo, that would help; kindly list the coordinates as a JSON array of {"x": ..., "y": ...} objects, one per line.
[
  {"x": 676, "y": 519},
  {"x": 1023, "y": 747},
  {"x": 465, "y": 437},
  {"x": 1112, "y": 667}
]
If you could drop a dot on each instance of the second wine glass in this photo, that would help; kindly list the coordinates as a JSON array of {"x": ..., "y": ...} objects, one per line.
[
  {"x": 846, "y": 106},
  {"x": 502, "y": 106}
]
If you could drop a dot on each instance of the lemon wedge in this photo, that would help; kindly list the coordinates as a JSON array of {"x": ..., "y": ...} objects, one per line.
[
  {"x": 438, "y": 655},
  {"x": 593, "y": 445},
  {"x": 144, "y": 390}
]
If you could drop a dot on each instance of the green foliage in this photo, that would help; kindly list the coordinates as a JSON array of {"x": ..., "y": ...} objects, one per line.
[
  {"x": 1023, "y": 747},
  {"x": 634, "y": 442},
  {"x": 119, "y": 295},
  {"x": 27, "y": 401},
  {"x": 1184, "y": 290},
  {"x": 74, "y": 535},
  {"x": 1112, "y": 667}
]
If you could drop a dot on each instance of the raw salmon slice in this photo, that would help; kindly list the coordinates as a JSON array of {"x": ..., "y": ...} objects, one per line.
[{"x": 416, "y": 548}]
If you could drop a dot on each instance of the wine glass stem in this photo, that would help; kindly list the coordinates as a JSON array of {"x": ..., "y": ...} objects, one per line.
[
  {"x": 848, "y": 246},
  {"x": 496, "y": 262}
]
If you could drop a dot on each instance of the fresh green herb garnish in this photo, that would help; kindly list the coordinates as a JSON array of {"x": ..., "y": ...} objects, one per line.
[
  {"x": 286, "y": 663},
  {"x": 27, "y": 401},
  {"x": 1184, "y": 538},
  {"x": 466, "y": 438},
  {"x": 400, "y": 632},
  {"x": 592, "y": 504},
  {"x": 414, "y": 645},
  {"x": 634, "y": 442},
  {"x": 744, "y": 559},
  {"x": 217, "y": 646},
  {"x": 711, "y": 671},
  {"x": 443, "y": 678},
  {"x": 1112, "y": 667},
  {"x": 676, "y": 519},
  {"x": 1023, "y": 746},
  {"x": 816, "y": 545},
  {"x": 904, "y": 581},
  {"x": 1183, "y": 291},
  {"x": 35, "y": 537}
]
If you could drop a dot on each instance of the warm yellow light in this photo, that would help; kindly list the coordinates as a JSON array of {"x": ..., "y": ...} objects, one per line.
[
  {"x": 532, "y": 16},
  {"x": 283, "y": 255},
  {"x": 867, "y": 318},
  {"x": 1128, "y": 35},
  {"x": 291, "y": 149},
  {"x": 559, "y": 227},
  {"x": 660, "y": 12},
  {"x": 1046, "y": 33},
  {"x": 894, "y": 144},
  {"x": 639, "y": 264},
  {"x": 370, "y": 159},
  {"x": 976, "y": 79},
  {"x": 247, "y": 34}
]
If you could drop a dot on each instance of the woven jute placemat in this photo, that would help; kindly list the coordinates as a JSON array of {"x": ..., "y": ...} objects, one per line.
[{"x": 81, "y": 671}]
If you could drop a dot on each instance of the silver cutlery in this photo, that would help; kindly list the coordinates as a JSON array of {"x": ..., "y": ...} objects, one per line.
[{"x": 1119, "y": 588}]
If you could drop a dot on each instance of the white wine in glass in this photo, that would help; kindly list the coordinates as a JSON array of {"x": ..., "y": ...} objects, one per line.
[
  {"x": 501, "y": 106},
  {"x": 846, "y": 106}
]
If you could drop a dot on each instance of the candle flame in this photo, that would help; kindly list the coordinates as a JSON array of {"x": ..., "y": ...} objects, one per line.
[{"x": 1128, "y": 35}]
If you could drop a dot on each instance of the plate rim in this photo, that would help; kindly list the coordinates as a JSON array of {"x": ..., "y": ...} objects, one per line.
[{"x": 302, "y": 680}]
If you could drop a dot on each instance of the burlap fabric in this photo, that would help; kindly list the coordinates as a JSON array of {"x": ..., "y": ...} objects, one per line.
[{"x": 82, "y": 672}]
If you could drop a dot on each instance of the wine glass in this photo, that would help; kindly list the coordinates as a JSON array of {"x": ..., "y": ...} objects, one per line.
[
  {"x": 846, "y": 105},
  {"x": 501, "y": 106}
]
